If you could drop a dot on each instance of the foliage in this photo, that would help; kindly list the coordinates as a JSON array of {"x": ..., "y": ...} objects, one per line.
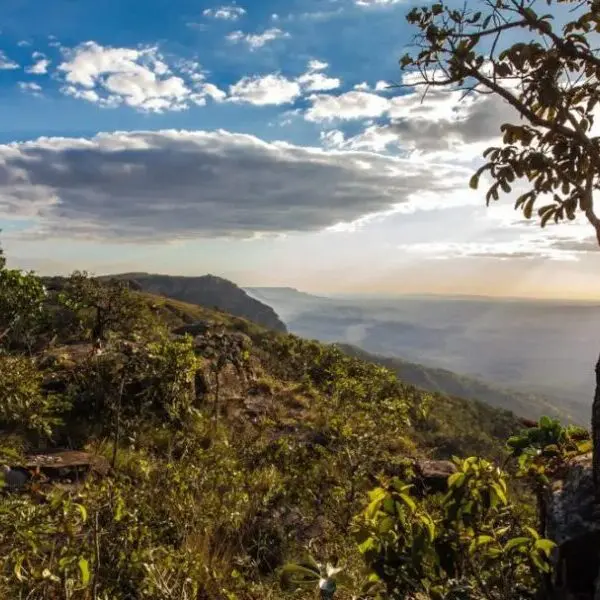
[
  {"x": 199, "y": 507},
  {"x": 24, "y": 406},
  {"x": 22, "y": 297},
  {"x": 469, "y": 544},
  {"x": 311, "y": 573},
  {"x": 547, "y": 73},
  {"x": 100, "y": 307}
]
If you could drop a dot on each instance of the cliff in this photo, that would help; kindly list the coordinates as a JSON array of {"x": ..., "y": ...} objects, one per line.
[{"x": 211, "y": 292}]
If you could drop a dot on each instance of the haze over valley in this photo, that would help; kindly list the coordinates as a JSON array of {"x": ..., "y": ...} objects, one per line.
[{"x": 545, "y": 347}]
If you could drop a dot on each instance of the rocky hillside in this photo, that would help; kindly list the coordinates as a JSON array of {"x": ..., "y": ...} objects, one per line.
[
  {"x": 209, "y": 291},
  {"x": 226, "y": 451},
  {"x": 447, "y": 383}
]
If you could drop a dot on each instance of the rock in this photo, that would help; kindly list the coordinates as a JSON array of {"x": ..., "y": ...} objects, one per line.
[
  {"x": 573, "y": 526},
  {"x": 194, "y": 329},
  {"x": 433, "y": 474},
  {"x": 570, "y": 512}
]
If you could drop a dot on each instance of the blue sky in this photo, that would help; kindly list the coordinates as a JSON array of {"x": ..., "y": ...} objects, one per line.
[{"x": 255, "y": 140}]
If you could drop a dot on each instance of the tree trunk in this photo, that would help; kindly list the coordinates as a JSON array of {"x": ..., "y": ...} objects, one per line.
[{"x": 596, "y": 436}]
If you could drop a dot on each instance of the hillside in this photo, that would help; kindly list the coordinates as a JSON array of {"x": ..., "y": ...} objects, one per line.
[
  {"x": 209, "y": 291},
  {"x": 447, "y": 383},
  {"x": 212, "y": 441},
  {"x": 511, "y": 353}
]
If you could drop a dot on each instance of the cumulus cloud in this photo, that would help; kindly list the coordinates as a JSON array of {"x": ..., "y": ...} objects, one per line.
[
  {"x": 441, "y": 125},
  {"x": 6, "y": 64},
  {"x": 135, "y": 77},
  {"x": 317, "y": 65},
  {"x": 257, "y": 40},
  {"x": 314, "y": 80},
  {"x": 356, "y": 104},
  {"x": 271, "y": 89},
  {"x": 40, "y": 67},
  {"x": 176, "y": 184},
  {"x": 30, "y": 88},
  {"x": 226, "y": 13}
]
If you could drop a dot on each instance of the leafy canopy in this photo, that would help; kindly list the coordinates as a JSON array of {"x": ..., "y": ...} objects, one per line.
[{"x": 550, "y": 76}]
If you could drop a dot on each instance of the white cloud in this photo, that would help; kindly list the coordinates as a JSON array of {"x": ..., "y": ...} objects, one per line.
[
  {"x": 317, "y": 82},
  {"x": 355, "y": 104},
  {"x": 317, "y": 65},
  {"x": 523, "y": 247},
  {"x": 6, "y": 63},
  {"x": 257, "y": 40},
  {"x": 30, "y": 87},
  {"x": 226, "y": 13},
  {"x": 138, "y": 78},
  {"x": 271, "y": 89},
  {"x": 377, "y": 2},
  {"x": 332, "y": 139},
  {"x": 167, "y": 185},
  {"x": 40, "y": 67}
]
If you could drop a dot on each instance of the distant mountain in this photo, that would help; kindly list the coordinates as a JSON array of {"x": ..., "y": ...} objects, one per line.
[
  {"x": 208, "y": 291},
  {"x": 539, "y": 348},
  {"x": 451, "y": 384}
]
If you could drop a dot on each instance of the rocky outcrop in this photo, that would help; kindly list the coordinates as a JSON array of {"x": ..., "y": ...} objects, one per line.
[
  {"x": 573, "y": 523},
  {"x": 208, "y": 291}
]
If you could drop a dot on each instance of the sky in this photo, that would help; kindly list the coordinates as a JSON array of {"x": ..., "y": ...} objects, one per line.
[{"x": 257, "y": 140}]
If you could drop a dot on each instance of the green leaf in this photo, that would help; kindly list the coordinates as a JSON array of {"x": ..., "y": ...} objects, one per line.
[
  {"x": 385, "y": 525},
  {"x": 377, "y": 496},
  {"x": 456, "y": 480},
  {"x": 408, "y": 501},
  {"x": 299, "y": 574},
  {"x": 545, "y": 546},
  {"x": 84, "y": 570},
  {"x": 18, "y": 568},
  {"x": 516, "y": 543},
  {"x": 82, "y": 511},
  {"x": 499, "y": 492},
  {"x": 368, "y": 544},
  {"x": 474, "y": 182}
]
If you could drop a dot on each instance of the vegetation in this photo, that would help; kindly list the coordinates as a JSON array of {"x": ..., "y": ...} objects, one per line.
[
  {"x": 448, "y": 383},
  {"x": 232, "y": 451},
  {"x": 209, "y": 291}
]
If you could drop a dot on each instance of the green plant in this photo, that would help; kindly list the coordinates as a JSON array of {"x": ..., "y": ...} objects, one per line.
[
  {"x": 324, "y": 577},
  {"x": 469, "y": 541},
  {"x": 541, "y": 452},
  {"x": 23, "y": 406},
  {"x": 22, "y": 298}
]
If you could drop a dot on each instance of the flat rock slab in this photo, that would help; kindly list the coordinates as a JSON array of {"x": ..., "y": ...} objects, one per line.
[{"x": 65, "y": 459}]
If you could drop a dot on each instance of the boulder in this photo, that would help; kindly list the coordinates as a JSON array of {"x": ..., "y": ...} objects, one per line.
[
  {"x": 572, "y": 522},
  {"x": 199, "y": 328},
  {"x": 432, "y": 475}
]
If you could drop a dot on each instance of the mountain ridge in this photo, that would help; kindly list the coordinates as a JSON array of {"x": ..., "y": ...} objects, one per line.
[{"x": 210, "y": 291}]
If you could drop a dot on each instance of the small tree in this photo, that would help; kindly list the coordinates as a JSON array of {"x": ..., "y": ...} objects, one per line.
[
  {"x": 102, "y": 306},
  {"x": 551, "y": 77},
  {"x": 22, "y": 297}
]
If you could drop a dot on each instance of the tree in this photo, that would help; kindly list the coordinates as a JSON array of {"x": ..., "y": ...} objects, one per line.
[
  {"x": 22, "y": 298},
  {"x": 551, "y": 77},
  {"x": 103, "y": 306}
]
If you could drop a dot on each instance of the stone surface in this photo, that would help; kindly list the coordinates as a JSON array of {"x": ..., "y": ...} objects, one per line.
[
  {"x": 573, "y": 524},
  {"x": 434, "y": 474},
  {"x": 570, "y": 512}
]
